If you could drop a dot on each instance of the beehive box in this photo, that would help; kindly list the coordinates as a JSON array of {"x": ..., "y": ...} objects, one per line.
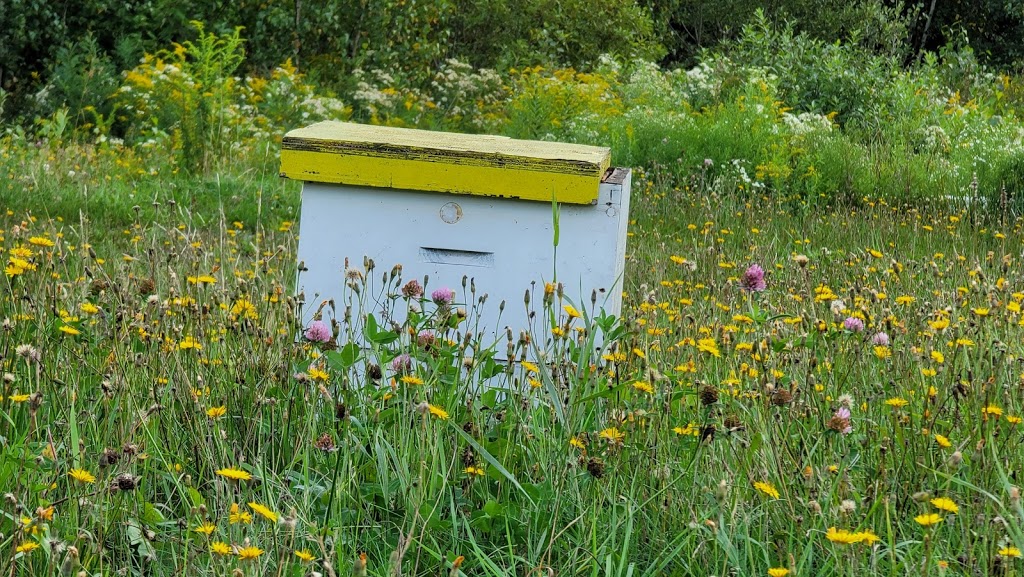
[{"x": 452, "y": 206}]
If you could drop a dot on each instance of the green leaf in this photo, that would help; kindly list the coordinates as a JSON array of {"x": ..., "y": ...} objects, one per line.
[{"x": 346, "y": 357}]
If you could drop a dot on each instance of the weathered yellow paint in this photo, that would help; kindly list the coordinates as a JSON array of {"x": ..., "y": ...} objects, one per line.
[{"x": 378, "y": 156}]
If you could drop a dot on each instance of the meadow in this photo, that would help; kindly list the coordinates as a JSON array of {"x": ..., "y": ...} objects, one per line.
[{"x": 806, "y": 379}]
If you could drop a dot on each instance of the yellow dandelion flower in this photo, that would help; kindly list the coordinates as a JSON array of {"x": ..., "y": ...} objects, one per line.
[
  {"x": 305, "y": 555},
  {"x": 572, "y": 312},
  {"x": 190, "y": 343},
  {"x": 945, "y": 504},
  {"x": 412, "y": 380},
  {"x": 709, "y": 346},
  {"x": 40, "y": 241},
  {"x": 942, "y": 441},
  {"x": 1010, "y": 552},
  {"x": 26, "y": 547},
  {"x": 205, "y": 528},
  {"x": 82, "y": 476},
  {"x": 236, "y": 515},
  {"x": 882, "y": 352},
  {"x": 992, "y": 410},
  {"x": 928, "y": 519},
  {"x": 981, "y": 312},
  {"x": 842, "y": 536},
  {"x": 264, "y": 512},
  {"x": 778, "y": 572},
  {"x": 68, "y": 330},
  {"x": 216, "y": 412},
  {"x": 576, "y": 442},
  {"x": 249, "y": 553},
  {"x": 530, "y": 367},
  {"x": 438, "y": 412},
  {"x": 643, "y": 387},
  {"x": 612, "y": 435},
  {"x": 867, "y": 536},
  {"x": 897, "y": 402},
  {"x": 473, "y": 471},
  {"x": 89, "y": 308},
  {"x": 234, "y": 474},
  {"x": 220, "y": 548},
  {"x": 767, "y": 488}
]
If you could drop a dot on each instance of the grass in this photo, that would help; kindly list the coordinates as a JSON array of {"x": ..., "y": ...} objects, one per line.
[{"x": 151, "y": 352}]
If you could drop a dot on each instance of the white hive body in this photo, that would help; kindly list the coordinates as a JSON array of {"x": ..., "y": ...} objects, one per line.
[{"x": 500, "y": 241}]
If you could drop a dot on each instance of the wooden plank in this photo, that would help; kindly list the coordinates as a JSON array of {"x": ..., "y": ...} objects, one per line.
[{"x": 387, "y": 157}]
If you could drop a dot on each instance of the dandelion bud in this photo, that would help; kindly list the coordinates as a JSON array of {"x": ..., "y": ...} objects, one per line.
[
  {"x": 722, "y": 491},
  {"x": 956, "y": 459}
]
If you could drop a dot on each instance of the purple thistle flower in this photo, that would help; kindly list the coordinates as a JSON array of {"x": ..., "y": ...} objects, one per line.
[
  {"x": 443, "y": 296},
  {"x": 318, "y": 332},
  {"x": 753, "y": 279},
  {"x": 402, "y": 364},
  {"x": 853, "y": 324},
  {"x": 880, "y": 339},
  {"x": 840, "y": 421}
]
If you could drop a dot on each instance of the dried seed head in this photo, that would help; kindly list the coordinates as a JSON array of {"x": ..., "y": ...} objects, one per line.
[{"x": 708, "y": 395}]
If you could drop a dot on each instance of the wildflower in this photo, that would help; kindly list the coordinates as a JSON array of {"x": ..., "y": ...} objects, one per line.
[
  {"x": 89, "y": 308},
  {"x": 244, "y": 309},
  {"x": 305, "y": 555},
  {"x": 190, "y": 343},
  {"x": 26, "y": 547},
  {"x": 612, "y": 435},
  {"x": 576, "y": 442},
  {"x": 897, "y": 402},
  {"x": 236, "y": 515},
  {"x": 412, "y": 380},
  {"x": 708, "y": 345},
  {"x": 220, "y": 548},
  {"x": 928, "y": 519},
  {"x": 778, "y": 572},
  {"x": 40, "y": 241},
  {"x": 853, "y": 324},
  {"x": 473, "y": 470},
  {"x": 840, "y": 421},
  {"x": 264, "y": 512},
  {"x": 981, "y": 312},
  {"x": 945, "y": 504},
  {"x": 249, "y": 553},
  {"x": 443, "y": 296},
  {"x": 401, "y": 364},
  {"x": 82, "y": 476},
  {"x": 880, "y": 339},
  {"x": 644, "y": 387},
  {"x": 69, "y": 330},
  {"x": 317, "y": 374},
  {"x": 216, "y": 412},
  {"x": 867, "y": 536},
  {"x": 842, "y": 536},
  {"x": 1009, "y": 552},
  {"x": 992, "y": 410},
  {"x": 767, "y": 488},
  {"x": 882, "y": 352},
  {"x": 753, "y": 279},
  {"x": 438, "y": 412},
  {"x": 412, "y": 289},
  {"x": 234, "y": 474},
  {"x": 942, "y": 441},
  {"x": 205, "y": 528},
  {"x": 318, "y": 332}
]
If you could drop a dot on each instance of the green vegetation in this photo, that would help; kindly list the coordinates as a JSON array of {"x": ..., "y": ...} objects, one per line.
[{"x": 162, "y": 412}]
